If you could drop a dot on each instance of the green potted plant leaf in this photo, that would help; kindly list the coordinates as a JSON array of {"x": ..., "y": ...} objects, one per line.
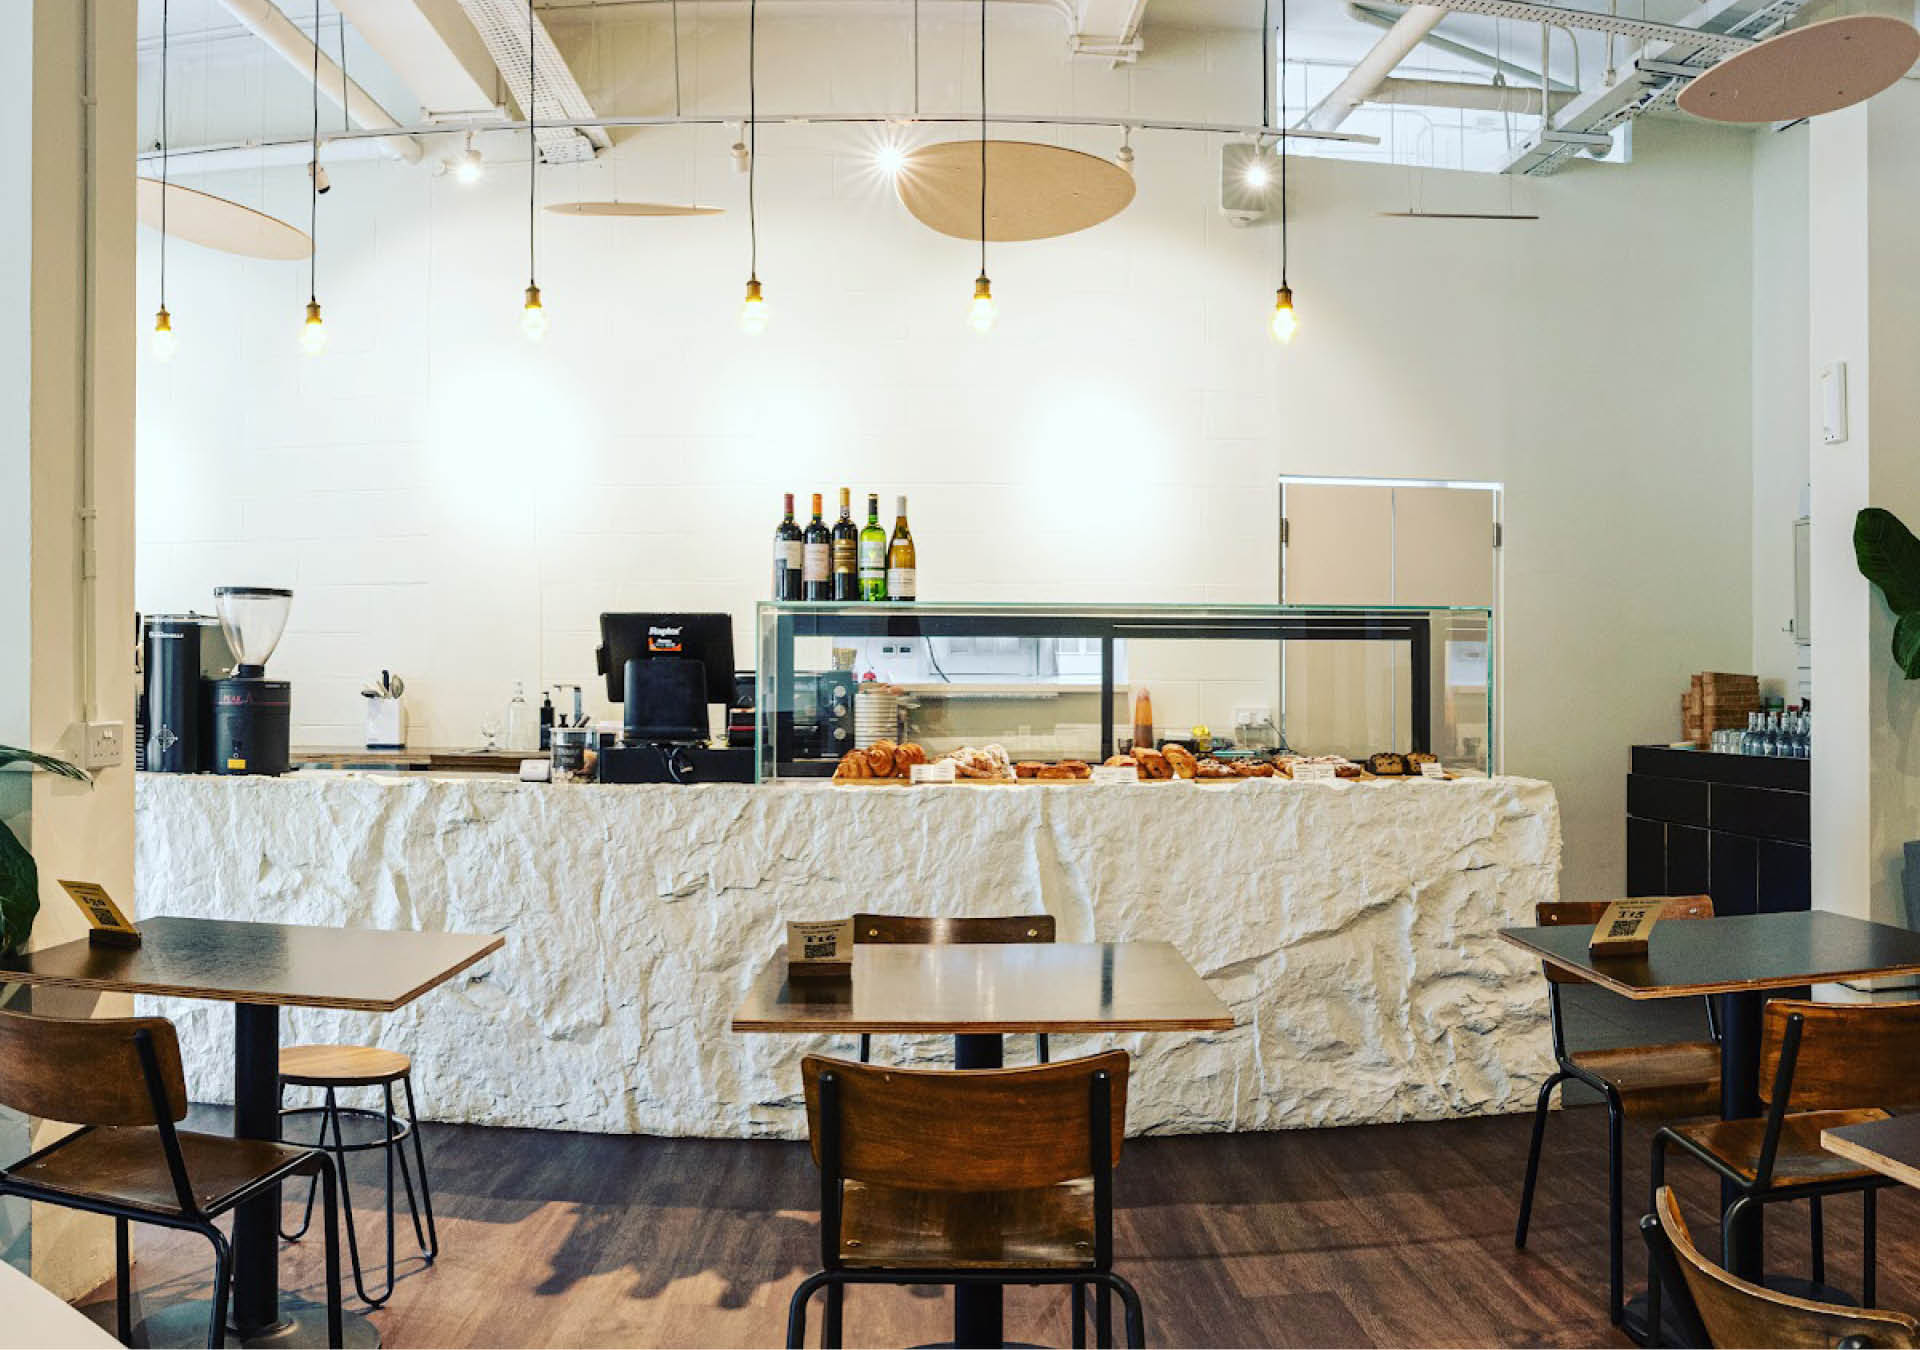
[
  {"x": 1889, "y": 557},
  {"x": 19, "y": 878}
]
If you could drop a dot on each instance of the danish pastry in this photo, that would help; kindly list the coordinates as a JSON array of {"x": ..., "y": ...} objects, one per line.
[{"x": 1180, "y": 758}]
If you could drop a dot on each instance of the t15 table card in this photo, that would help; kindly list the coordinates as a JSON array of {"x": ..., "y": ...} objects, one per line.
[{"x": 1623, "y": 928}]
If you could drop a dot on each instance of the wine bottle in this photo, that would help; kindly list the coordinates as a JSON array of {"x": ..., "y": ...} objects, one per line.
[
  {"x": 900, "y": 561},
  {"x": 816, "y": 567},
  {"x": 873, "y": 553},
  {"x": 846, "y": 552},
  {"x": 787, "y": 556}
]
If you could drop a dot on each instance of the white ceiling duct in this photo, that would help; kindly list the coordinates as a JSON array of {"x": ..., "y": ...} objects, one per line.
[
  {"x": 1408, "y": 32},
  {"x": 1519, "y": 99},
  {"x": 267, "y": 22},
  {"x": 434, "y": 50},
  {"x": 502, "y": 25}
]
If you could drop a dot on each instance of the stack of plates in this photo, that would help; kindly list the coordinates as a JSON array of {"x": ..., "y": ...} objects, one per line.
[{"x": 876, "y": 714}]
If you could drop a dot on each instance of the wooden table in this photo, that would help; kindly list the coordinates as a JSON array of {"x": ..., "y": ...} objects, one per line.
[
  {"x": 1737, "y": 958},
  {"x": 978, "y": 993},
  {"x": 261, "y": 968},
  {"x": 1890, "y": 1147}
]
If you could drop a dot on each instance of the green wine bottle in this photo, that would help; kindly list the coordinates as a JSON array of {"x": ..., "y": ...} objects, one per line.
[{"x": 873, "y": 553}]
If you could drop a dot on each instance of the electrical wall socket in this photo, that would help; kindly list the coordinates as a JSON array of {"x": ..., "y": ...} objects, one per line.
[{"x": 105, "y": 745}]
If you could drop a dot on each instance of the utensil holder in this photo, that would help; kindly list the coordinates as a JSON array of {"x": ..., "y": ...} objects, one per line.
[{"x": 386, "y": 724}]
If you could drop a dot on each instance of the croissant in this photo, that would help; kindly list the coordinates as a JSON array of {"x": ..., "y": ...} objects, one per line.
[{"x": 880, "y": 758}]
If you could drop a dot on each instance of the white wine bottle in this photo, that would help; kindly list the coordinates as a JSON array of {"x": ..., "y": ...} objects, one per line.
[
  {"x": 900, "y": 559},
  {"x": 873, "y": 553}
]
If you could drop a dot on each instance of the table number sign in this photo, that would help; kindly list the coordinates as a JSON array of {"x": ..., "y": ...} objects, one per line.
[
  {"x": 1623, "y": 928},
  {"x": 820, "y": 950},
  {"x": 106, "y": 925}
]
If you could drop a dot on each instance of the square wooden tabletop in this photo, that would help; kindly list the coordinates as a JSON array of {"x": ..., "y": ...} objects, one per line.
[
  {"x": 1891, "y": 1146},
  {"x": 1732, "y": 954},
  {"x": 985, "y": 989},
  {"x": 284, "y": 964}
]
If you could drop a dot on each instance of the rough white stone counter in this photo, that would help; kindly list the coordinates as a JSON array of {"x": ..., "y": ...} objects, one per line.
[{"x": 1350, "y": 927}]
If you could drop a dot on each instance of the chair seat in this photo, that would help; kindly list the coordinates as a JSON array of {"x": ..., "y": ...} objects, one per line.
[
  {"x": 882, "y": 1226},
  {"x": 128, "y": 1166},
  {"x": 342, "y": 1066},
  {"x": 1798, "y": 1160},
  {"x": 1660, "y": 1081}
]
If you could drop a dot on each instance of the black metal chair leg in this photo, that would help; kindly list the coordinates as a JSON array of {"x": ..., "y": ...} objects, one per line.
[
  {"x": 797, "y": 1310},
  {"x": 313, "y": 1189},
  {"x": 1533, "y": 1157},
  {"x": 432, "y": 1243},
  {"x": 1616, "y": 1167},
  {"x": 1130, "y": 1300},
  {"x": 866, "y": 1048},
  {"x": 830, "y": 1332},
  {"x": 1730, "y": 1221},
  {"x": 1079, "y": 1315},
  {"x": 331, "y": 1214},
  {"x": 123, "y": 1277},
  {"x": 1041, "y": 1048},
  {"x": 1103, "y": 1313},
  {"x": 1659, "y": 1179},
  {"x": 339, "y": 1151},
  {"x": 222, "y": 1281},
  {"x": 386, "y": 1097},
  {"x": 1870, "y": 1248},
  {"x": 1817, "y": 1236}
]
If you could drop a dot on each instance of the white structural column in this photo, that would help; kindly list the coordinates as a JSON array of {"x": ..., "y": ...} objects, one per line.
[{"x": 1864, "y": 193}]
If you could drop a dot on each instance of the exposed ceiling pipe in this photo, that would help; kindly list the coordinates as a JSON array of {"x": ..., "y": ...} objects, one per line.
[
  {"x": 1501, "y": 98},
  {"x": 273, "y": 27},
  {"x": 1480, "y": 56},
  {"x": 1408, "y": 32}
]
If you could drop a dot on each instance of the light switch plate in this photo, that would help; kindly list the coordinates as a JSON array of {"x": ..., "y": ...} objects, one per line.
[{"x": 1833, "y": 403}]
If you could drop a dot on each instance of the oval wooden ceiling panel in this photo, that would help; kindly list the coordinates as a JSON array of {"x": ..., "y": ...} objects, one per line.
[
  {"x": 1806, "y": 71},
  {"x": 631, "y": 209},
  {"x": 1033, "y": 191},
  {"x": 217, "y": 223}
]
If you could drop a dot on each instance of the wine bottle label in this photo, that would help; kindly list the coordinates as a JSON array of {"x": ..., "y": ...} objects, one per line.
[
  {"x": 873, "y": 555},
  {"x": 844, "y": 552},
  {"x": 787, "y": 551},
  {"x": 814, "y": 565},
  {"x": 900, "y": 583}
]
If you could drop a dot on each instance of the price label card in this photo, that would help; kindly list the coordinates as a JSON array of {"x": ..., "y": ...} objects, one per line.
[
  {"x": 109, "y": 927},
  {"x": 1314, "y": 773},
  {"x": 941, "y": 771},
  {"x": 1116, "y": 773},
  {"x": 1433, "y": 769},
  {"x": 1624, "y": 928}
]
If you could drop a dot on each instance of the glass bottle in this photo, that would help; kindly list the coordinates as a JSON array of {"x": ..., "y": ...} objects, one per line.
[
  {"x": 1750, "y": 742},
  {"x": 788, "y": 555},
  {"x": 520, "y": 729},
  {"x": 873, "y": 553},
  {"x": 816, "y": 551},
  {"x": 902, "y": 568},
  {"x": 846, "y": 550}
]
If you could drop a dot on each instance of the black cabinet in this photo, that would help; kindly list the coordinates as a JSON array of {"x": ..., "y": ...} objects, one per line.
[{"x": 1735, "y": 827}]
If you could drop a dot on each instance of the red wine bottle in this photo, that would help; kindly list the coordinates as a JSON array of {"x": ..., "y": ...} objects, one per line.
[
  {"x": 788, "y": 556},
  {"x": 816, "y": 576}
]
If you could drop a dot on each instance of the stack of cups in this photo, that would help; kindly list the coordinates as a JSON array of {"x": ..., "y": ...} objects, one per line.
[{"x": 876, "y": 714}]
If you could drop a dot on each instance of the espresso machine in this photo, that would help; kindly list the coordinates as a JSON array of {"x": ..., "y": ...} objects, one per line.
[{"x": 251, "y": 714}]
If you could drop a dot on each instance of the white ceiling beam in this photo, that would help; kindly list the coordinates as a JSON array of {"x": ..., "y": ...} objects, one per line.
[
  {"x": 1107, "y": 30},
  {"x": 434, "y": 50},
  {"x": 1408, "y": 32},
  {"x": 267, "y": 22}
]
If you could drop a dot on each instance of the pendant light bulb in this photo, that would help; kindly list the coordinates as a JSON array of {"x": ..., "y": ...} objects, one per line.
[
  {"x": 533, "y": 318},
  {"x": 313, "y": 333},
  {"x": 982, "y": 312},
  {"x": 165, "y": 344},
  {"x": 753, "y": 311},
  {"x": 1284, "y": 323}
]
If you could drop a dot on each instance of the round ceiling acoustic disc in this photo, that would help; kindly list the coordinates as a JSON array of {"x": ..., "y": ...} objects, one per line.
[
  {"x": 1806, "y": 71},
  {"x": 631, "y": 209},
  {"x": 1033, "y": 191},
  {"x": 214, "y": 222}
]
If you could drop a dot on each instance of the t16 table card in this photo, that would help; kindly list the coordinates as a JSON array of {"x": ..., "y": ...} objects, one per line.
[
  {"x": 1623, "y": 928},
  {"x": 822, "y": 949}
]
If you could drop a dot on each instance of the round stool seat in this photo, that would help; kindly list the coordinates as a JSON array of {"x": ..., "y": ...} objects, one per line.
[{"x": 342, "y": 1065}]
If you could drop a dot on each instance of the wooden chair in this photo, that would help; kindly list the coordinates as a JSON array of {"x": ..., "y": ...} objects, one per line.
[
  {"x": 120, "y": 1080},
  {"x": 337, "y": 1068},
  {"x": 1658, "y": 1081},
  {"x": 1839, "y": 1063},
  {"x": 998, "y": 1176},
  {"x": 1711, "y": 1307},
  {"x": 918, "y": 930}
]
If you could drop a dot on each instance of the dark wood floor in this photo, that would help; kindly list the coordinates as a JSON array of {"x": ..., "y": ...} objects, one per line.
[{"x": 1381, "y": 1235}]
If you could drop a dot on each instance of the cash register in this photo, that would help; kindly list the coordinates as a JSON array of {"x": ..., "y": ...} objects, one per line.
[{"x": 664, "y": 670}]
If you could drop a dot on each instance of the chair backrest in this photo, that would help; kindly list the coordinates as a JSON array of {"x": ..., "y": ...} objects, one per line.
[
  {"x": 920, "y": 930},
  {"x": 1851, "y": 1054},
  {"x": 90, "y": 1072},
  {"x": 1560, "y": 913},
  {"x": 964, "y": 1129},
  {"x": 1734, "y": 1312}
]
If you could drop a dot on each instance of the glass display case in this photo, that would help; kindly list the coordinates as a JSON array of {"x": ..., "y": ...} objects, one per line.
[{"x": 1056, "y": 682}]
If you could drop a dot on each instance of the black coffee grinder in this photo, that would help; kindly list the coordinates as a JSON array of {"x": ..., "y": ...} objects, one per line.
[{"x": 251, "y": 714}]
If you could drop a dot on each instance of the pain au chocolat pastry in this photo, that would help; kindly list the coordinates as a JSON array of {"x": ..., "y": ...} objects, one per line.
[
  {"x": 1180, "y": 758},
  {"x": 1152, "y": 764}
]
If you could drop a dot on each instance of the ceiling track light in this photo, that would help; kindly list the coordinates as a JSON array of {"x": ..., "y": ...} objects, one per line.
[
  {"x": 533, "y": 315},
  {"x": 313, "y": 332},
  {"x": 982, "y": 311},
  {"x": 469, "y": 168},
  {"x": 753, "y": 309},
  {"x": 1124, "y": 156},
  {"x": 164, "y": 342}
]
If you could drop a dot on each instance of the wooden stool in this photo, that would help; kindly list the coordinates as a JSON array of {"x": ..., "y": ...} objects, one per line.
[{"x": 333, "y": 1068}]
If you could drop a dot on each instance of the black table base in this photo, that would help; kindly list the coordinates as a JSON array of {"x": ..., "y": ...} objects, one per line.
[
  {"x": 978, "y": 1309},
  {"x": 301, "y": 1326}
]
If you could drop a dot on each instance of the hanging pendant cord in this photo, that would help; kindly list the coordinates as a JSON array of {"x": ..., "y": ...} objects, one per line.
[
  {"x": 1283, "y": 142},
  {"x": 753, "y": 137},
  {"x": 313, "y": 172},
  {"x": 533, "y": 149},
  {"x": 165, "y": 142},
  {"x": 916, "y": 58},
  {"x": 676, "y": 58},
  {"x": 346, "y": 107},
  {"x": 983, "y": 137}
]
